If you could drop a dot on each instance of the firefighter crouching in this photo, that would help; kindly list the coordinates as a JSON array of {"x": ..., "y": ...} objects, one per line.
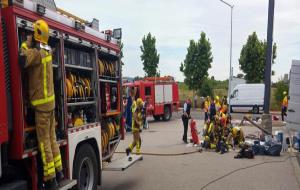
[
  {"x": 236, "y": 137},
  {"x": 137, "y": 120},
  {"x": 36, "y": 57}
]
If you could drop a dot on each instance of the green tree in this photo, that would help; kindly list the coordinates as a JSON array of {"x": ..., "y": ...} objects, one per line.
[
  {"x": 253, "y": 58},
  {"x": 206, "y": 88},
  {"x": 150, "y": 57},
  {"x": 197, "y": 62},
  {"x": 281, "y": 86}
]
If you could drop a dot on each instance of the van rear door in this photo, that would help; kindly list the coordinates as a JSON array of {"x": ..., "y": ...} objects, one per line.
[{"x": 293, "y": 113}]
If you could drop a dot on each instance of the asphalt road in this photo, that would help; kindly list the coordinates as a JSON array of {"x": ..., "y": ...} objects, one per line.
[{"x": 195, "y": 171}]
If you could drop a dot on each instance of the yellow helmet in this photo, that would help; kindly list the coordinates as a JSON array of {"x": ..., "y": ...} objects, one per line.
[
  {"x": 206, "y": 138},
  {"x": 235, "y": 131},
  {"x": 217, "y": 98},
  {"x": 41, "y": 31},
  {"x": 139, "y": 102},
  {"x": 284, "y": 92}
]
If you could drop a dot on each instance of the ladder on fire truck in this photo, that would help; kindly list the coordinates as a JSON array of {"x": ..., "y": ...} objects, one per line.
[{"x": 160, "y": 79}]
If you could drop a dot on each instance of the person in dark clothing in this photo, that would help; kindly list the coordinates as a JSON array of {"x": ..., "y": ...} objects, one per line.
[
  {"x": 130, "y": 100},
  {"x": 212, "y": 109},
  {"x": 185, "y": 118}
]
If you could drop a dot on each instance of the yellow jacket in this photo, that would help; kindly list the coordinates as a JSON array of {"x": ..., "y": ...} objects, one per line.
[
  {"x": 285, "y": 101},
  {"x": 137, "y": 118},
  {"x": 41, "y": 88}
]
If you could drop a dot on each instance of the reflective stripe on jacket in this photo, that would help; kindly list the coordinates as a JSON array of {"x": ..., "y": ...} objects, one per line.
[{"x": 40, "y": 72}]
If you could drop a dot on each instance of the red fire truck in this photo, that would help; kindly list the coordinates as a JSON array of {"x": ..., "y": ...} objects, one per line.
[
  {"x": 87, "y": 82},
  {"x": 160, "y": 93}
]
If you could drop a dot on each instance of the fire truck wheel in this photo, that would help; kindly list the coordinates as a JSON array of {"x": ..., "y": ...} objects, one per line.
[
  {"x": 156, "y": 117},
  {"x": 85, "y": 168},
  {"x": 167, "y": 113}
]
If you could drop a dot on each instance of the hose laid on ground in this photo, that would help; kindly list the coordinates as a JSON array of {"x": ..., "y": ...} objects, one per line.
[
  {"x": 243, "y": 168},
  {"x": 166, "y": 154}
]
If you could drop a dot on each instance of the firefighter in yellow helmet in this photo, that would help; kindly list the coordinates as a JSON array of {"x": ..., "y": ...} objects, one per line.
[
  {"x": 137, "y": 120},
  {"x": 284, "y": 105},
  {"x": 218, "y": 104},
  {"x": 206, "y": 108},
  {"x": 236, "y": 137},
  {"x": 36, "y": 58}
]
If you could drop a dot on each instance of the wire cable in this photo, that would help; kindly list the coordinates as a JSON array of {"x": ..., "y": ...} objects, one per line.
[{"x": 243, "y": 168}]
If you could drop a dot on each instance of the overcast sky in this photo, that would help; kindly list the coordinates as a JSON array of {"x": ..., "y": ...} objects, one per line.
[{"x": 175, "y": 22}]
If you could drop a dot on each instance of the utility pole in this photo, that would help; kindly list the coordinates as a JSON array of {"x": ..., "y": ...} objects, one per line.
[
  {"x": 267, "y": 118},
  {"x": 230, "y": 63}
]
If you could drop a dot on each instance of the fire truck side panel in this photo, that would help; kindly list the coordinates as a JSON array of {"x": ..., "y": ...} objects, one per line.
[
  {"x": 16, "y": 141},
  {"x": 168, "y": 94},
  {"x": 175, "y": 96},
  {"x": 3, "y": 99},
  {"x": 81, "y": 137},
  {"x": 159, "y": 94},
  {"x": 159, "y": 99}
]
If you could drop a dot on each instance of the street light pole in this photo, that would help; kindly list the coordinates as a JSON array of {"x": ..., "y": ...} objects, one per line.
[
  {"x": 267, "y": 118},
  {"x": 230, "y": 64}
]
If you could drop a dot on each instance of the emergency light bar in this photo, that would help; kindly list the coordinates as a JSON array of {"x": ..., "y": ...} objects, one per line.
[{"x": 53, "y": 15}]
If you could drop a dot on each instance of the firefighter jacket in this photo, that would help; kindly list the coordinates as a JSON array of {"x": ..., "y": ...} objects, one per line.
[
  {"x": 285, "y": 101},
  {"x": 38, "y": 63},
  {"x": 137, "y": 118}
]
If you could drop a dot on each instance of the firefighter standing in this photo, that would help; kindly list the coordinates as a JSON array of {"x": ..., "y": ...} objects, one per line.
[
  {"x": 206, "y": 109},
  {"x": 137, "y": 120},
  {"x": 217, "y": 103},
  {"x": 37, "y": 59},
  {"x": 185, "y": 118},
  {"x": 284, "y": 105}
]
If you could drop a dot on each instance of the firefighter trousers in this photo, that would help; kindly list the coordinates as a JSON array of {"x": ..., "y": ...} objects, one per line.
[
  {"x": 136, "y": 142},
  {"x": 49, "y": 149}
]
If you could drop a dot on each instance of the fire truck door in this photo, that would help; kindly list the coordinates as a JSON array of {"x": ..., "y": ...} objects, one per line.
[
  {"x": 3, "y": 99},
  {"x": 149, "y": 98}
]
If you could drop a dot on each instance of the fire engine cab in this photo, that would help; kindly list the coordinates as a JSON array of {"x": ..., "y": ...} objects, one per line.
[
  {"x": 87, "y": 82},
  {"x": 160, "y": 94}
]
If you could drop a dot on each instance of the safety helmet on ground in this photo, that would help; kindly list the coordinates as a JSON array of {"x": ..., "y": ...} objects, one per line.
[
  {"x": 139, "y": 102},
  {"x": 41, "y": 31},
  {"x": 284, "y": 92}
]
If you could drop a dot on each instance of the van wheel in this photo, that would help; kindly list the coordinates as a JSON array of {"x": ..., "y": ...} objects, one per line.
[
  {"x": 156, "y": 117},
  {"x": 167, "y": 113},
  {"x": 255, "y": 110},
  {"x": 86, "y": 168}
]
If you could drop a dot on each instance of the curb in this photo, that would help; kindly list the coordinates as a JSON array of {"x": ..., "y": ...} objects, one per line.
[{"x": 295, "y": 161}]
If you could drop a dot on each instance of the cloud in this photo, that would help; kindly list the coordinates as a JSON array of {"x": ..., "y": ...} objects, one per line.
[{"x": 175, "y": 22}]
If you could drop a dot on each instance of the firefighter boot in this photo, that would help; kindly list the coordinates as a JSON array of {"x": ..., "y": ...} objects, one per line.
[
  {"x": 128, "y": 151},
  {"x": 59, "y": 176},
  {"x": 51, "y": 184}
]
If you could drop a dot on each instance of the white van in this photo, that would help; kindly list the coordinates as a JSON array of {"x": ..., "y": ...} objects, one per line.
[
  {"x": 293, "y": 111},
  {"x": 247, "y": 98}
]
